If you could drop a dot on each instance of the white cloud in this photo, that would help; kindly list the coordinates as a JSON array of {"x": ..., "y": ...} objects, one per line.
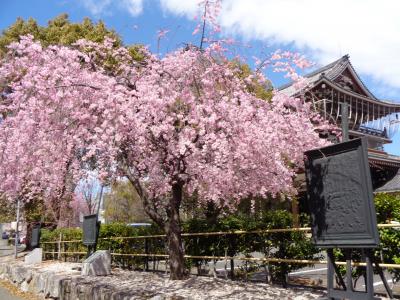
[
  {"x": 189, "y": 8},
  {"x": 135, "y": 7},
  {"x": 368, "y": 30},
  {"x": 96, "y": 7},
  {"x": 101, "y": 7}
]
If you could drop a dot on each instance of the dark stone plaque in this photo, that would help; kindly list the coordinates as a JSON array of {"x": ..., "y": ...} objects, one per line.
[
  {"x": 340, "y": 196},
  {"x": 90, "y": 230},
  {"x": 35, "y": 239}
]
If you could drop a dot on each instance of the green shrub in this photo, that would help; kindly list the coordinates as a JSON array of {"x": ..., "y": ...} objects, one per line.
[
  {"x": 110, "y": 239},
  {"x": 107, "y": 240},
  {"x": 287, "y": 245},
  {"x": 390, "y": 249},
  {"x": 387, "y": 207},
  {"x": 66, "y": 234},
  {"x": 388, "y": 210},
  {"x": 283, "y": 245}
]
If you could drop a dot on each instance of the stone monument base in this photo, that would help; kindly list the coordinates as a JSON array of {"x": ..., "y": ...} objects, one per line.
[
  {"x": 97, "y": 264},
  {"x": 34, "y": 257}
]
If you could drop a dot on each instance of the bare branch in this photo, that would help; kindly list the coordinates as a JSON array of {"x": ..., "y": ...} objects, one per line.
[
  {"x": 204, "y": 25},
  {"x": 77, "y": 84}
]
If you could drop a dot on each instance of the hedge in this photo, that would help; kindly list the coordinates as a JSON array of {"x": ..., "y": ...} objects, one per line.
[
  {"x": 288, "y": 245},
  {"x": 293, "y": 245}
]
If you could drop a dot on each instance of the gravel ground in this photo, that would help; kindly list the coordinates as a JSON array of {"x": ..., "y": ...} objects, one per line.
[
  {"x": 148, "y": 285},
  {"x": 157, "y": 286}
]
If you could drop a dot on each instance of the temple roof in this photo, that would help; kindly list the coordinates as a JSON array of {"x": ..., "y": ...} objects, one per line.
[
  {"x": 391, "y": 186},
  {"x": 333, "y": 72}
]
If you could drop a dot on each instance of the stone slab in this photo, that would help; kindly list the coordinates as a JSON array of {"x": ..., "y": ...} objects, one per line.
[
  {"x": 98, "y": 264},
  {"x": 34, "y": 257}
]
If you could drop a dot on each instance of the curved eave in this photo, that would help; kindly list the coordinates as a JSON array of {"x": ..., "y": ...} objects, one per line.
[
  {"x": 357, "y": 78},
  {"x": 332, "y": 71},
  {"x": 383, "y": 160},
  {"x": 334, "y": 85},
  {"x": 370, "y": 137}
]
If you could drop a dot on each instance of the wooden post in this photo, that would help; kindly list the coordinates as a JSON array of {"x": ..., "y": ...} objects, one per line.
[
  {"x": 59, "y": 247},
  {"x": 345, "y": 121},
  {"x": 146, "y": 251},
  {"x": 53, "y": 249},
  {"x": 295, "y": 212},
  {"x": 63, "y": 247},
  {"x": 226, "y": 263},
  {"x": 16, "y": 241},
  {"x": 232, "y": 253}
]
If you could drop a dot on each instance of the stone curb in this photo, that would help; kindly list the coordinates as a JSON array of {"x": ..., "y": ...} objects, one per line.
[{"x": 55, "y": 285}]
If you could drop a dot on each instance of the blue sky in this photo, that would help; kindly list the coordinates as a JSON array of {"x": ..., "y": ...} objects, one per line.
[{"x": 367, "y": 30}]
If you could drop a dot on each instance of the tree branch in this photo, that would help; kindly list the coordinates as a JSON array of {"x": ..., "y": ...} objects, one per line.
[
  {"x": 204, "y": 25},
  {"x": 150, "y": 210},
  {"x": 77, "y": 84}
]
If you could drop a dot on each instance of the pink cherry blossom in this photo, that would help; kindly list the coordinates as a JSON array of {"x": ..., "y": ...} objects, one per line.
[{"x": 182, "y": 124}]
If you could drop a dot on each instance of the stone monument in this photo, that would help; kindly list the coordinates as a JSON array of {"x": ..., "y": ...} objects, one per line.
[
  {"x": 97, "y": 264},
  {"x": 34, "y": 257}
]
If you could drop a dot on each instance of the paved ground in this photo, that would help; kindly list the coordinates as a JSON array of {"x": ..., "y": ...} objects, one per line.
[
  {"x": 7, "y": 292},
  {"x": 6, "y": 295},
  {"x": 312, "y": 276},
  {"x": 6, "y": 249},
  {"x": 317, "y": 274}
]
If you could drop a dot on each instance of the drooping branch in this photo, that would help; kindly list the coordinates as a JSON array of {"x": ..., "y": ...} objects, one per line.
[
  {"x": 203, "y": 30},
  {"x": 78, "y": 85}
]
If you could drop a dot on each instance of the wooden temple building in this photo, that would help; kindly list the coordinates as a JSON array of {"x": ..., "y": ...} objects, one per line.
[{"x": 376, "y": 119}]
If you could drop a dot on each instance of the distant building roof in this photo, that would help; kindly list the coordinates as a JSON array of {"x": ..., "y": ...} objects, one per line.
[
  {"x": 391, "y": 186},
  {"x": 331, "y": 72}
]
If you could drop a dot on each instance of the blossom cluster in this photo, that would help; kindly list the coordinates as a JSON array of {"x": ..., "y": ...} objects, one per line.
[{"x": 185, "y": 118}]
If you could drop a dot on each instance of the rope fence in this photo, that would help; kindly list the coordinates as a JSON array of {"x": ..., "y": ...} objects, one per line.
[
  {"x": 236, "y": 232},
  {"x": 262, "y": 259},
  {"x": 59, "y": 249}
]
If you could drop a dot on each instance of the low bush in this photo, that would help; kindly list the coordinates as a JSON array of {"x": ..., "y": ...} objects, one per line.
[
  {"x": 283, "y": 245},
  {"x": 109, "y": 239},
  {"x": 289, "y": 245},
  {"x": 388, "y": 211}
]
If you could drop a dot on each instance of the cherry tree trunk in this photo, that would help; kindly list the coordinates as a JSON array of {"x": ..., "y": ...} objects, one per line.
[
  {"x": 173, "y": 231},
  {"x": 28, "y": 238}
]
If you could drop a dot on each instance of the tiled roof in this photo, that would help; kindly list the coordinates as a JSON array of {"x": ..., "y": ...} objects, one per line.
[
  {"x": 392, "y": 185},
  {"x": 331, "y": 72}
]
